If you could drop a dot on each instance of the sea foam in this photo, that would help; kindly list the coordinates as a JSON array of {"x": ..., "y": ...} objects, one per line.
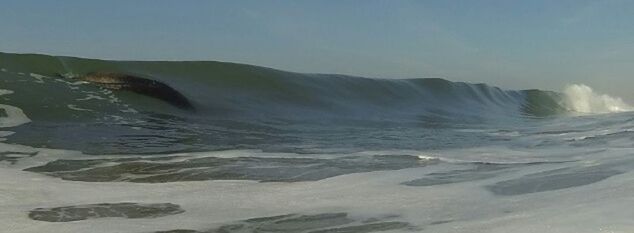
[{"x": 14, "y": 116}]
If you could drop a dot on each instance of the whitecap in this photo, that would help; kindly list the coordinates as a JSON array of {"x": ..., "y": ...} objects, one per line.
[{"x": 581, "y": 98}]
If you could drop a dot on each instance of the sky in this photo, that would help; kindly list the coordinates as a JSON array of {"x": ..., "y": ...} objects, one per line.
[{"x": 541, "y": 44}]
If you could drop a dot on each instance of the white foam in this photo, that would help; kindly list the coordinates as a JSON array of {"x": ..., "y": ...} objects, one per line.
[
  {"x": 74, "y": 107},
  {"x": 14, "y": 117},
  {"x": 70, "y": 83},
  {"x": 581, "y": 98},
  {"x": 91, "y": 97},
  {"x": 466, "y": 206},
  {"x": 38, "y": 77},
  {"x": 129, "y": 110},
  {"x": 6, "y": 133},
  {"x": 428, "y": 158}
]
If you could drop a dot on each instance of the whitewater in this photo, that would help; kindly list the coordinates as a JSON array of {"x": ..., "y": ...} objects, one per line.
[{"x": 266, "y": 150}]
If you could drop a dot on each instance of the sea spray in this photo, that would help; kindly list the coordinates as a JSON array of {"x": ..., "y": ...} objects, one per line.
[{"x": 581, "y": 98}]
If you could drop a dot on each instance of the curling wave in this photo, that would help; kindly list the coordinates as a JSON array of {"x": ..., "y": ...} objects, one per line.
[
  {"x": 242, "y": 106},
  {"x": 230, "y": 90}
]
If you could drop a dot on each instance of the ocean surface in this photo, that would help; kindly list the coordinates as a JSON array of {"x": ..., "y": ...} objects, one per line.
[{"x": 264, "y": 150}]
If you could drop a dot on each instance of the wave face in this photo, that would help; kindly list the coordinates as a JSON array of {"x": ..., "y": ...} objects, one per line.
[
  {"x": 222, "y": 89},
  {"x": 243, "y": 106}
]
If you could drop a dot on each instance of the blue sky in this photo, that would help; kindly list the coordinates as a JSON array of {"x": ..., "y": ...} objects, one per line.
[{"x": 513, "y": 44}]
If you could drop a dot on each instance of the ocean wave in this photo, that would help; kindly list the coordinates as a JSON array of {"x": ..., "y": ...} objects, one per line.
[
  {"x": 238, "y": 106},
  {"x": 232, "y": 90}
]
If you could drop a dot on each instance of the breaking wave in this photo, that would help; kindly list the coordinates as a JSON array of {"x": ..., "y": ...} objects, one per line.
[
  {"x": 241, "y": 106},
  {"x": 581, "y": 98}
]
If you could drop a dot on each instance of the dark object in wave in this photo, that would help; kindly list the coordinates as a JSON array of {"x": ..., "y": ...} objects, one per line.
[{"x": 143, "y": 86}]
